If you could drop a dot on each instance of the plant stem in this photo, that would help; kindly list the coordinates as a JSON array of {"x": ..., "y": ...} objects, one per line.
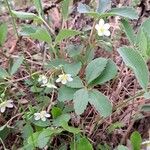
[
  {"x": 12, "y": 18},
  {"x": 20, "y": 79},
  {"x": 46, "y": 24},
  {"x": 92, "y": 31}
]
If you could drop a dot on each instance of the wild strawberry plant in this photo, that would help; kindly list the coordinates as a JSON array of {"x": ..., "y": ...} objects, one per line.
[{"x": 71, "y": 75}]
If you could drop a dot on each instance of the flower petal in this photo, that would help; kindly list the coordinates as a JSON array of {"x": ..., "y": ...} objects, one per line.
[
  {"x": 2, "y": 109},
  {"x": 97, "y": 26},
  {"x": 107, "y": 33},
  {"x": 37, "y": 116},
  {"x": 106, "y": 25},
  {"x": 44, "y": 81},
  {"x": 43, "y": 118},
  {"x": 10, "y": 101},
  {"x": 49, "y": 85},
  {"x": 53, "y": 86},
  {"x": 61, "y": 75},
  {"x": 63, "y": 81},
  {"x": 101, "y": 22},
  {"x": 58, "y": 80},
  {"x": 70, "y": 79},
  {"x": 47, "y": 115},
  {"x": 9, "y": 105},
  {"x": 100, "y": 33},
  {"x": 39, "y": 79}
]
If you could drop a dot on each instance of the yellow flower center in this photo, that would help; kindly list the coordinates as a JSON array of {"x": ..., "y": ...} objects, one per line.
[
  {"x": 64, "y": 77},
  {"x": 101, "y": 29}
]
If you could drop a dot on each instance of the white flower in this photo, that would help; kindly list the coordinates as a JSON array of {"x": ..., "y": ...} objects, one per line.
[
  {"x": 6, "y": 104},
  {"x": 42, "y": 79},
  {"x": 102, "y": 28},
  {"x": 43, "y": 115},
  {"x": 44, "y": 82},
  {"x": 49, "y": 85},
  {"x": 64, "y": 78}
]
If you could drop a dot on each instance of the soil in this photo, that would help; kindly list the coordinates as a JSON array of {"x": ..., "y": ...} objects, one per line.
[{"x": 122, "y": 87}]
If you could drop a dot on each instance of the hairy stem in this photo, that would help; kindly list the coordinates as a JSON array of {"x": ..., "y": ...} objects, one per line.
[{"x": 12, "y": 18}]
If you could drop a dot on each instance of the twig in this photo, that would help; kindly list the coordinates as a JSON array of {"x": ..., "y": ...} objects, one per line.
[
  {"x": 125, "y": 102},
  {"x": 3, "y": 144},
  {"x": 127, "y": 132}
]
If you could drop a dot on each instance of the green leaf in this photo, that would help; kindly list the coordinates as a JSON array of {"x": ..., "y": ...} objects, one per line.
[
  {"x": 65, "y": 34},
  {"x": 147, "y": 95},
  {"x": 3, "y": 33},
  {"x": 37, "y": 33},
  {"x": 56, "y": 111},
  {"x": 27, "y": 131},
  {"x": 103, "y": 5},
  {"x": 134, "y": 60},
  {"x": 113, "y": 126},
  {"x": 38, "y": 5},
  {"x": 32, "y": 140},
  {"x": 56, "y": 63},
  {"x": 107, "y": 46},
  {"x": 41, "y": 123},
  {"x": 45, "y": 135},
  {"x": 127, "y": 12},
  {"x": 27, "y": 147},
  {"x": 65, "y": 93},
  {"x": 108, "y": 73},
  {"x": 65, "y": 9},
  {"x": 89, "y": 55},
  {"x": 136, "y": 140},
  {"x": 122, "y": 147},
  {"x": 76, "y": 83},
  {"x": 84, "y": 144},
  {"x": 60, "y": 119},
  {"x": 73, "y": 68},
  {"x": 142, "y": 43},
  {"x": 83, "y": 8},
  {"x": 70, "y": 129},
  {"x": 68, "y": 109},
  {"x": 146, "y": 27},
  {"x": 80, "y": 100},
  {"x": 148, "y": 45},
  {"x": 146, "y": 30},
  {"x": 95, "y": 68},
  {"x": 5, "y": 130},
  {"x": 16, "y": 65},
  {"x": 128, "y": 31},
  {"x": 24, "y": 15},
  {"x": 145, "y": 108},
  {"x": 74, "y": 50},
  {"x": 36, "y": 89},
  {"x": 134, "y": 3},
  {"x": 100, "y": 102},
  {"x": 103, "y": 147},
  {"x": 3, "y": 73}
]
